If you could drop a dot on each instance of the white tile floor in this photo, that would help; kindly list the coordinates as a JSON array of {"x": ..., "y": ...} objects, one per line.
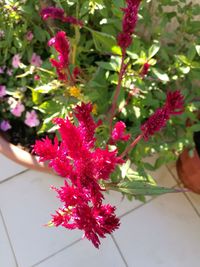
[{"x": 163, "y": 232}]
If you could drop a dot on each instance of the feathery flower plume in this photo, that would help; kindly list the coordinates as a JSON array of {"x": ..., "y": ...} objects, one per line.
[
  {"x": 83, "y": 165},
  {"x": 62, "y": 46},
  {"x": 174, "y": 105},
  {"x": 124, "y": 38},
  {"x": 58, "y": 13},
  {"x": 52, "y": 12}
]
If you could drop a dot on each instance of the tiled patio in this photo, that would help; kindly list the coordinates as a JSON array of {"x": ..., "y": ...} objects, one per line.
[{"x": 163, "y": 232}]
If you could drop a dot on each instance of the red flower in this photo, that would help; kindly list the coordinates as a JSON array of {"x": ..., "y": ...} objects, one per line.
[
  {"x": 62, "y": 46},
  {"x": 155, "y": 122},
  {"x": 96, "y": 221},
  {"x": 45, "y": 149},
  {"x": 145, "y": 69},
  {"x": 72, "y": 20},
  {"x": 128, "y": 24},
  {"x": 175, "y": 102},
  {"x": 52, "y": 12},
  {"x": 118, "y": 132},
  {"x": 174, "y": 105},
  {"x": 87, "y": 125},
  {"x": 77, "y": 159},
  {"x": 58, "y": 13}
]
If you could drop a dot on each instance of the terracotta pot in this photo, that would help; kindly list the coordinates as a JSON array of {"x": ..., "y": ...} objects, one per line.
[
  {"x": 22, "y": 157},
  {"x": 188, "y": 169}
]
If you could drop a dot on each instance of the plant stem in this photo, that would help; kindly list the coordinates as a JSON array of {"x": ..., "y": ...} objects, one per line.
[
  {"x": 117, "y": 91},
  {"x": 70, "y": 76},
  {"x": 131, "y": 146}
]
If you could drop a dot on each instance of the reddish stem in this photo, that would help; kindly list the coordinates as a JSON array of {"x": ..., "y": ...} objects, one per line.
[
  {"x": 131, "y": 146},
  {"x": 71, "y": 77},
  {"x": 117, "y": 91}
]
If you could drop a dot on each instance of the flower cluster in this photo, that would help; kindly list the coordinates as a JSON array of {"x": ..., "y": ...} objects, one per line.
[
  {"x": 77, "y": 159},
  {"x": 62, "y": 46},
  {"x": 174, "y": 105},
  {"x": 129, "y": 22},
  {"x": 58, "y": 13}
]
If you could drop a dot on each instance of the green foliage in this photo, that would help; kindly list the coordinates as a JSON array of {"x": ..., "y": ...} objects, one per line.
[{"x": 165, "y": 38}]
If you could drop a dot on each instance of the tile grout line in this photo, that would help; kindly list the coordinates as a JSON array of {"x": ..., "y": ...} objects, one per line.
[
  {"x": 185, "y": 194},
  {"x": 9, "y": 240},
  {"x": 191, "y": 203},
  {"x": 13, "y": 176},
  {"x": 57, "y": 252},
  {"x": 119, "y": 250},
  {"x": 173, "y": 176}
]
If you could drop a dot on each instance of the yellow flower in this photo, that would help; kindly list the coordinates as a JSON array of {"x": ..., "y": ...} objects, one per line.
[
  {"x": 74, "y": 91},
  {"x": 94, "y": 109}
]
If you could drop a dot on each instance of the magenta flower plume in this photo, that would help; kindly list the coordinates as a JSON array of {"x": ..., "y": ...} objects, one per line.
[
  {"x": 128, "y": 24},
  {"x": 118, "y": 132},
  {"x": 62, "y": 46},
  {"x": 73, "y": 20},
  {"x": 58, "y": 13},
  {"x": 52, "y": 12},
  {"x": 174, "y": 105},
  {"x": 83, "y": 165},
  {"x": 46, "y": 149},
  {"x": 175, "y": 102}
]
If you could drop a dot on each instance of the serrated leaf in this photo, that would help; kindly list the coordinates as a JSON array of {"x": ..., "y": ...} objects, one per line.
[{"x": 140, "y": 187}]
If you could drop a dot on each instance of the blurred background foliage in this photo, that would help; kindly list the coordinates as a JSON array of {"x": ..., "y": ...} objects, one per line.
[{"x": 167, "y": 37}]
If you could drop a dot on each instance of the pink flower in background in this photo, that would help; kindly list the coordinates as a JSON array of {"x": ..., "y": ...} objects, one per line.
[
  {"x": 2, "y": 90},
  {"x": 2, "y": 69},
  {"x": 5, "y": 125},
  {"x": 31, "y": 119},
  {"x": 16, "y": 61},
  {"x": 17, "y": 109},
  {"x": 36, "y": 60},
  {"x": 118, "y": 132},
  {"x": 36, "y": 77},
  {"x": 2, "y": 34},
  {"x": 29, "y": 36},
  {"x": 9, "y": 72}
]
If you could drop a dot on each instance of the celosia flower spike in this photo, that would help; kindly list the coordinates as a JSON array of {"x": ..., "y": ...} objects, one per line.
[
  {"x": 77, "y": 159},
  {"x": 52, "y": 12},
  {"x": 174, "y": 105},
  {"x": 128, "y": 24},
  {"x": 155, "y": 122},
  {"x": 58, "y": 13},
  {"x": 175, "y": 102},
  {"x": 61, "y": 43}
]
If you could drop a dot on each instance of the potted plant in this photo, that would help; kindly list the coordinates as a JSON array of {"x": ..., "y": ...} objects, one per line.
[
  {"x": 188, "y": 166},
  {"x": 95, "y": 154}
]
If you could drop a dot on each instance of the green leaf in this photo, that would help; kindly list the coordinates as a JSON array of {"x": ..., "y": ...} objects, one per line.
[
  {"x": 195, "y": 128},
  {"x": 153, "y": 50},
  {"x": 104, "y": 42},
  {"x": 161, "y": 76},
  {"x": 141, "y": 187},
  {"x": 198, "y": 49}
]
